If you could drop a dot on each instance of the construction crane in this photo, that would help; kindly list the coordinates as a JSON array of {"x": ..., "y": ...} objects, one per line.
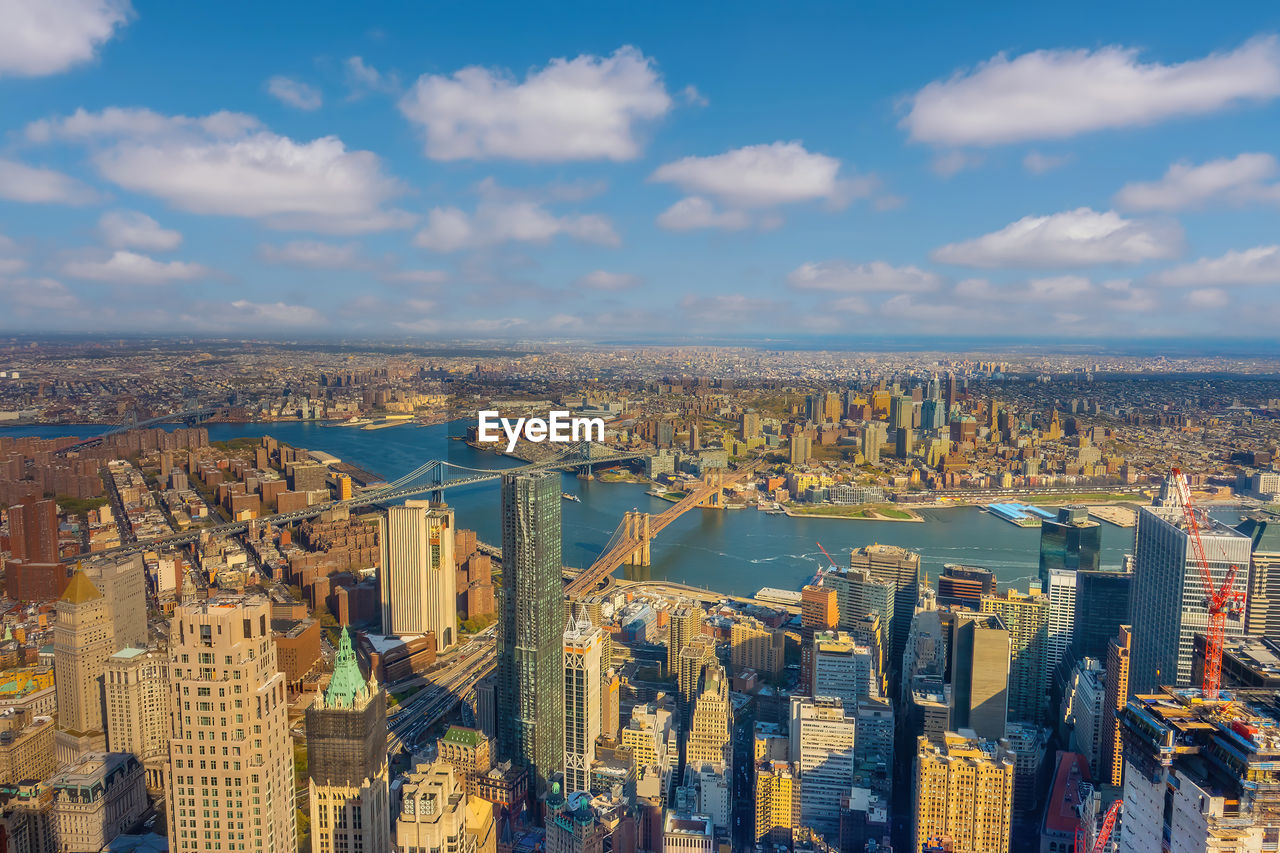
[
  {"x": 822, "y": 570},
  {"x": 1104, "y": 834},
  {"x": 1221, "y": 602}
]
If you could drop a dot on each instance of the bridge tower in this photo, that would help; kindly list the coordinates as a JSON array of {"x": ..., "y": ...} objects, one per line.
[
  {"x": 637, "y": 528},
  {"x": 714, "y": 478},
  {"x": 435, "y": 475}
]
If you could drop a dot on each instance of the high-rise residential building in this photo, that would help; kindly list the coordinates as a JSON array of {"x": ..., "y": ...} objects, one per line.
[
  {"x": 583, "y": 643},
  {"x": 963, "y": 792},
  {"x": 1072, "y": 541},
  {"x": 980, "y": 660},
  {"x": 1111, "y": 752},
  {"x": 1168, "y": 605},
  {"x": 347, "y": 781},
  {"x": 419, "y": 585},
  {"x": 858, "y": 595},
  {"x": 433, "y": 812},
  {"x": 530, "y": 632},
  {"x": 1061, "y": 592},
  {"x": 711, "y": 725},
  {"x": 819, "y": 609},
  {"x": 1178, "y": 795},
  {"x": 965, "y": 585},
  {"x": 822, "y": 748},
  {"x": 892, "y": 563},
  {"x": 82, "y": 642},
  {"x": 749, "y": 426},
  {"x": 843, "y": 668},
  {"x": 33, "y": 572},
  {"x": 1102, "y": 606},
  {"x": 136, "y": 688},
  {"x": 873, "y": 438},
  {"x": 777, "y": 803},
  {"x": 697, "y": 655},
  {"x": 1262, "y": 616},
  {"x": 756, "y": 647},
  {"x": 685, "y": 624},
  {"x": 801, "y": 448},
  {"x": 227, "y": 693},
  {"x": 1026, "y": 618},
  {"x": 123, "y": 583}
]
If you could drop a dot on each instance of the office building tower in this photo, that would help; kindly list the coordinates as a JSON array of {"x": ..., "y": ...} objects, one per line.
[
  {"x": 1071, "y": 541},
  {"x": 100, "y": 796},
  {"x": 434, "y": 812},
  {"x": 136, "y": 688},
  {"x": 347, "y": 780},
  {"x": 874, "y": 744},
  {"x": 1102, "y": 606},
  {"x": 818, "y": 608},
  {"x": 419, "y": 585},
  {"x": 583, "y": 643},
  {"x": 685, "y": 624},
  {"x": 1061, "y": 592},
  {"x": 711, "y": 726},
  {"x": 980, "y": 659},
  {"x": 1262, "y": 616},
  {"x": 1178, "y": 796},
  {"x": 777, "y": 803},
  {"x": 82, "y": 642},
  {"x": 900, "y": 412},
  {"x": 123, "y": 583},
  {"x": 859, "y": 594},
  {"x": 749, "y": 426},
  {"x": 755, "y": 647},
  {"x": 963, "y": 792},
  {"x": 873, "y": 438},
  {"x": 1111, "y": 751},
  {"x": 892, "y": 563},
  {"x": 904, "y": 442},
  {"x": 822, "y": 748},
  {"x": 469, "y": 751},
  {"x": 844, "y": 669},
  {"x": 228, "y": 693},
  {"x": 530, "y": 632},
  {"x": 648, "y": 733},
  {"x": 964, "y": 586},
  {"x": 610, "y": 704},
  {"x": 1167, "y": 607},
  {"x": 1026, "y": 618},
  {"x": 1086, "y": 704},
  {"x": 697, "y": 655}
]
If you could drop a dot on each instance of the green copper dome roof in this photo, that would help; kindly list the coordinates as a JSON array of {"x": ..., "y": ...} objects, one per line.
[{"x": 347, "y": 682}]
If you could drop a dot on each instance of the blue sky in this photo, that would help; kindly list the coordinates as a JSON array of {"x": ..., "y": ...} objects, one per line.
[{"x": 571, "y": 170}]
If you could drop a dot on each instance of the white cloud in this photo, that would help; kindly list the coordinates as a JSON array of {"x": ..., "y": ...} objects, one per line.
[
  {"x": 224, "y": 164},
  {"x": 37, "y": 294},
  {"x": 877, "y": 276},
  {"x": 427, "y": 277},
  {"x": 1054, "y": 94},
  {"x": 734, "y": 309},
  {"x": 362, "y": 78},
  {"x": 1236, "y": 180},
  {"x": 11, "y": 260},
  {"x": 124, "y": 267},
  {"x": 450, "y": 229},
  {"x": 757, "y": 175},
  {"x": 954, "y": 162},
  {"x": 20, "y": 182},
  {"x": 689, "y": 214},
  {"x": 604, "y": 280},
  {"x": 1209, "y": 297},
  {"x": 1080, "y": 237},
  {"x": 241, "y": 313},
  {"x": 1257, "y": 266},
  {"x": 312, "y": 253},
  {"x": 42, "y": 37},
  {"x": 295, "y": 93},
  {"x": 693, "y": 97},
  {"x": 1037, "y": 163},
  {"x": 128, "y": 229},
  {"x": 587, "y": 108},
  {"x": 1058, "y": 289}
]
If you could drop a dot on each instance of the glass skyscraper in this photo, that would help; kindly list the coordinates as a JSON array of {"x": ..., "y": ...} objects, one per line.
[
  {"x": 530, "y": 683},
  {"x": 1070, "y": 542}
]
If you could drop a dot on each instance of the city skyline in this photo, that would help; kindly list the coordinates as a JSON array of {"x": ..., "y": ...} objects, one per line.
[{"x": 405, "y": 172}]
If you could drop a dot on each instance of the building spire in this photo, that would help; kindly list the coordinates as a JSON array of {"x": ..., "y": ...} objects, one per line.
[{"x": 347, "y": 684}]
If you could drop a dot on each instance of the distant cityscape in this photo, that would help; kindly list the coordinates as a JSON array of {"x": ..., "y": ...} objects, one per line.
[{"x": 217, "y": 643}]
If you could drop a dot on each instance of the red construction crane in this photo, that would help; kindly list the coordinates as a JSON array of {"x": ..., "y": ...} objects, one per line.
[
  {"x": 822, "y": 572},
  {"x": 1104, "y": 834},
  {"x": 1220, "y": 601}
]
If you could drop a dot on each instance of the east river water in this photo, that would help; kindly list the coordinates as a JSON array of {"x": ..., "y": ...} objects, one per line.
[{"x": 732, "y": 551}]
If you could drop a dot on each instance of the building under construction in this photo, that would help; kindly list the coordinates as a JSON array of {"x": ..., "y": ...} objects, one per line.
[{"x": 1201, "y": 775}]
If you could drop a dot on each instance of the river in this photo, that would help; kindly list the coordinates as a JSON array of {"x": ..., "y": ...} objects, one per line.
[{"x": 732, "y": 551}]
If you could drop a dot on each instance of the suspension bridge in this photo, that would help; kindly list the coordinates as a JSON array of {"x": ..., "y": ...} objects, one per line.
[
  {"x": 193, "y": 414},
  {"x": 630, "y": 542}
]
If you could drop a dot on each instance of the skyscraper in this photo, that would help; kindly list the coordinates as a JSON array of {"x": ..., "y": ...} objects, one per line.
[
  {"x": 1262, "y": 619},
  {"x": 82, "y": 642},
  {"x": 1167, "y": 607},
  {"x": 347, "y": 761},
  {"x": 843, "y": 669},
  {"x": 33, "y": 572},
  {"x": 1071, "y": 541},
  {"x": 686, "y": 623},
  {"x": 965, "y": 585},
  {"x": 582, "y": 713},
  {"x": 1102, "y": 606},
  {"x": 123, "y": 583},
  {"x": 1061, "y": 592},
  {"x": 964, "y": 791},
  {"x": 891, "y": 563},
  {"x": 228, "y": 693},
  {"x": 530, "y": 633},
  {"x": 136, "y": 687},
  {"x": 777, "y": 802},
  {"x": 710, "y": 728},
  {"x": 822, "y": 747},
  {"x": 419, "y": 592},
  {"x": 980, "y": 652},
  {"x": 1026, "y": 618},
  {"x": 1116, "y": 696}
]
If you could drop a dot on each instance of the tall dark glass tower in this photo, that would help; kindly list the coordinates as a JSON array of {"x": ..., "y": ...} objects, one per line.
[
  {"x": 530, "y": 686},
  {"x": 1072, "y": 541},
  {"x": 1102, "y": 606}
]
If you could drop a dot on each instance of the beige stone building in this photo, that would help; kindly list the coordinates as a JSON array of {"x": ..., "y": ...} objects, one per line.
[
  {"x": 419, "y": 586},
  {"x": 96, "y": 799},
  {"x": 26, "y": 747},
  {"x": 434, "y": 811},
  {"x": 136, "y": 689},
  {"x": 82, "y": 642},
  {"x": 964, "y": 791}
]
